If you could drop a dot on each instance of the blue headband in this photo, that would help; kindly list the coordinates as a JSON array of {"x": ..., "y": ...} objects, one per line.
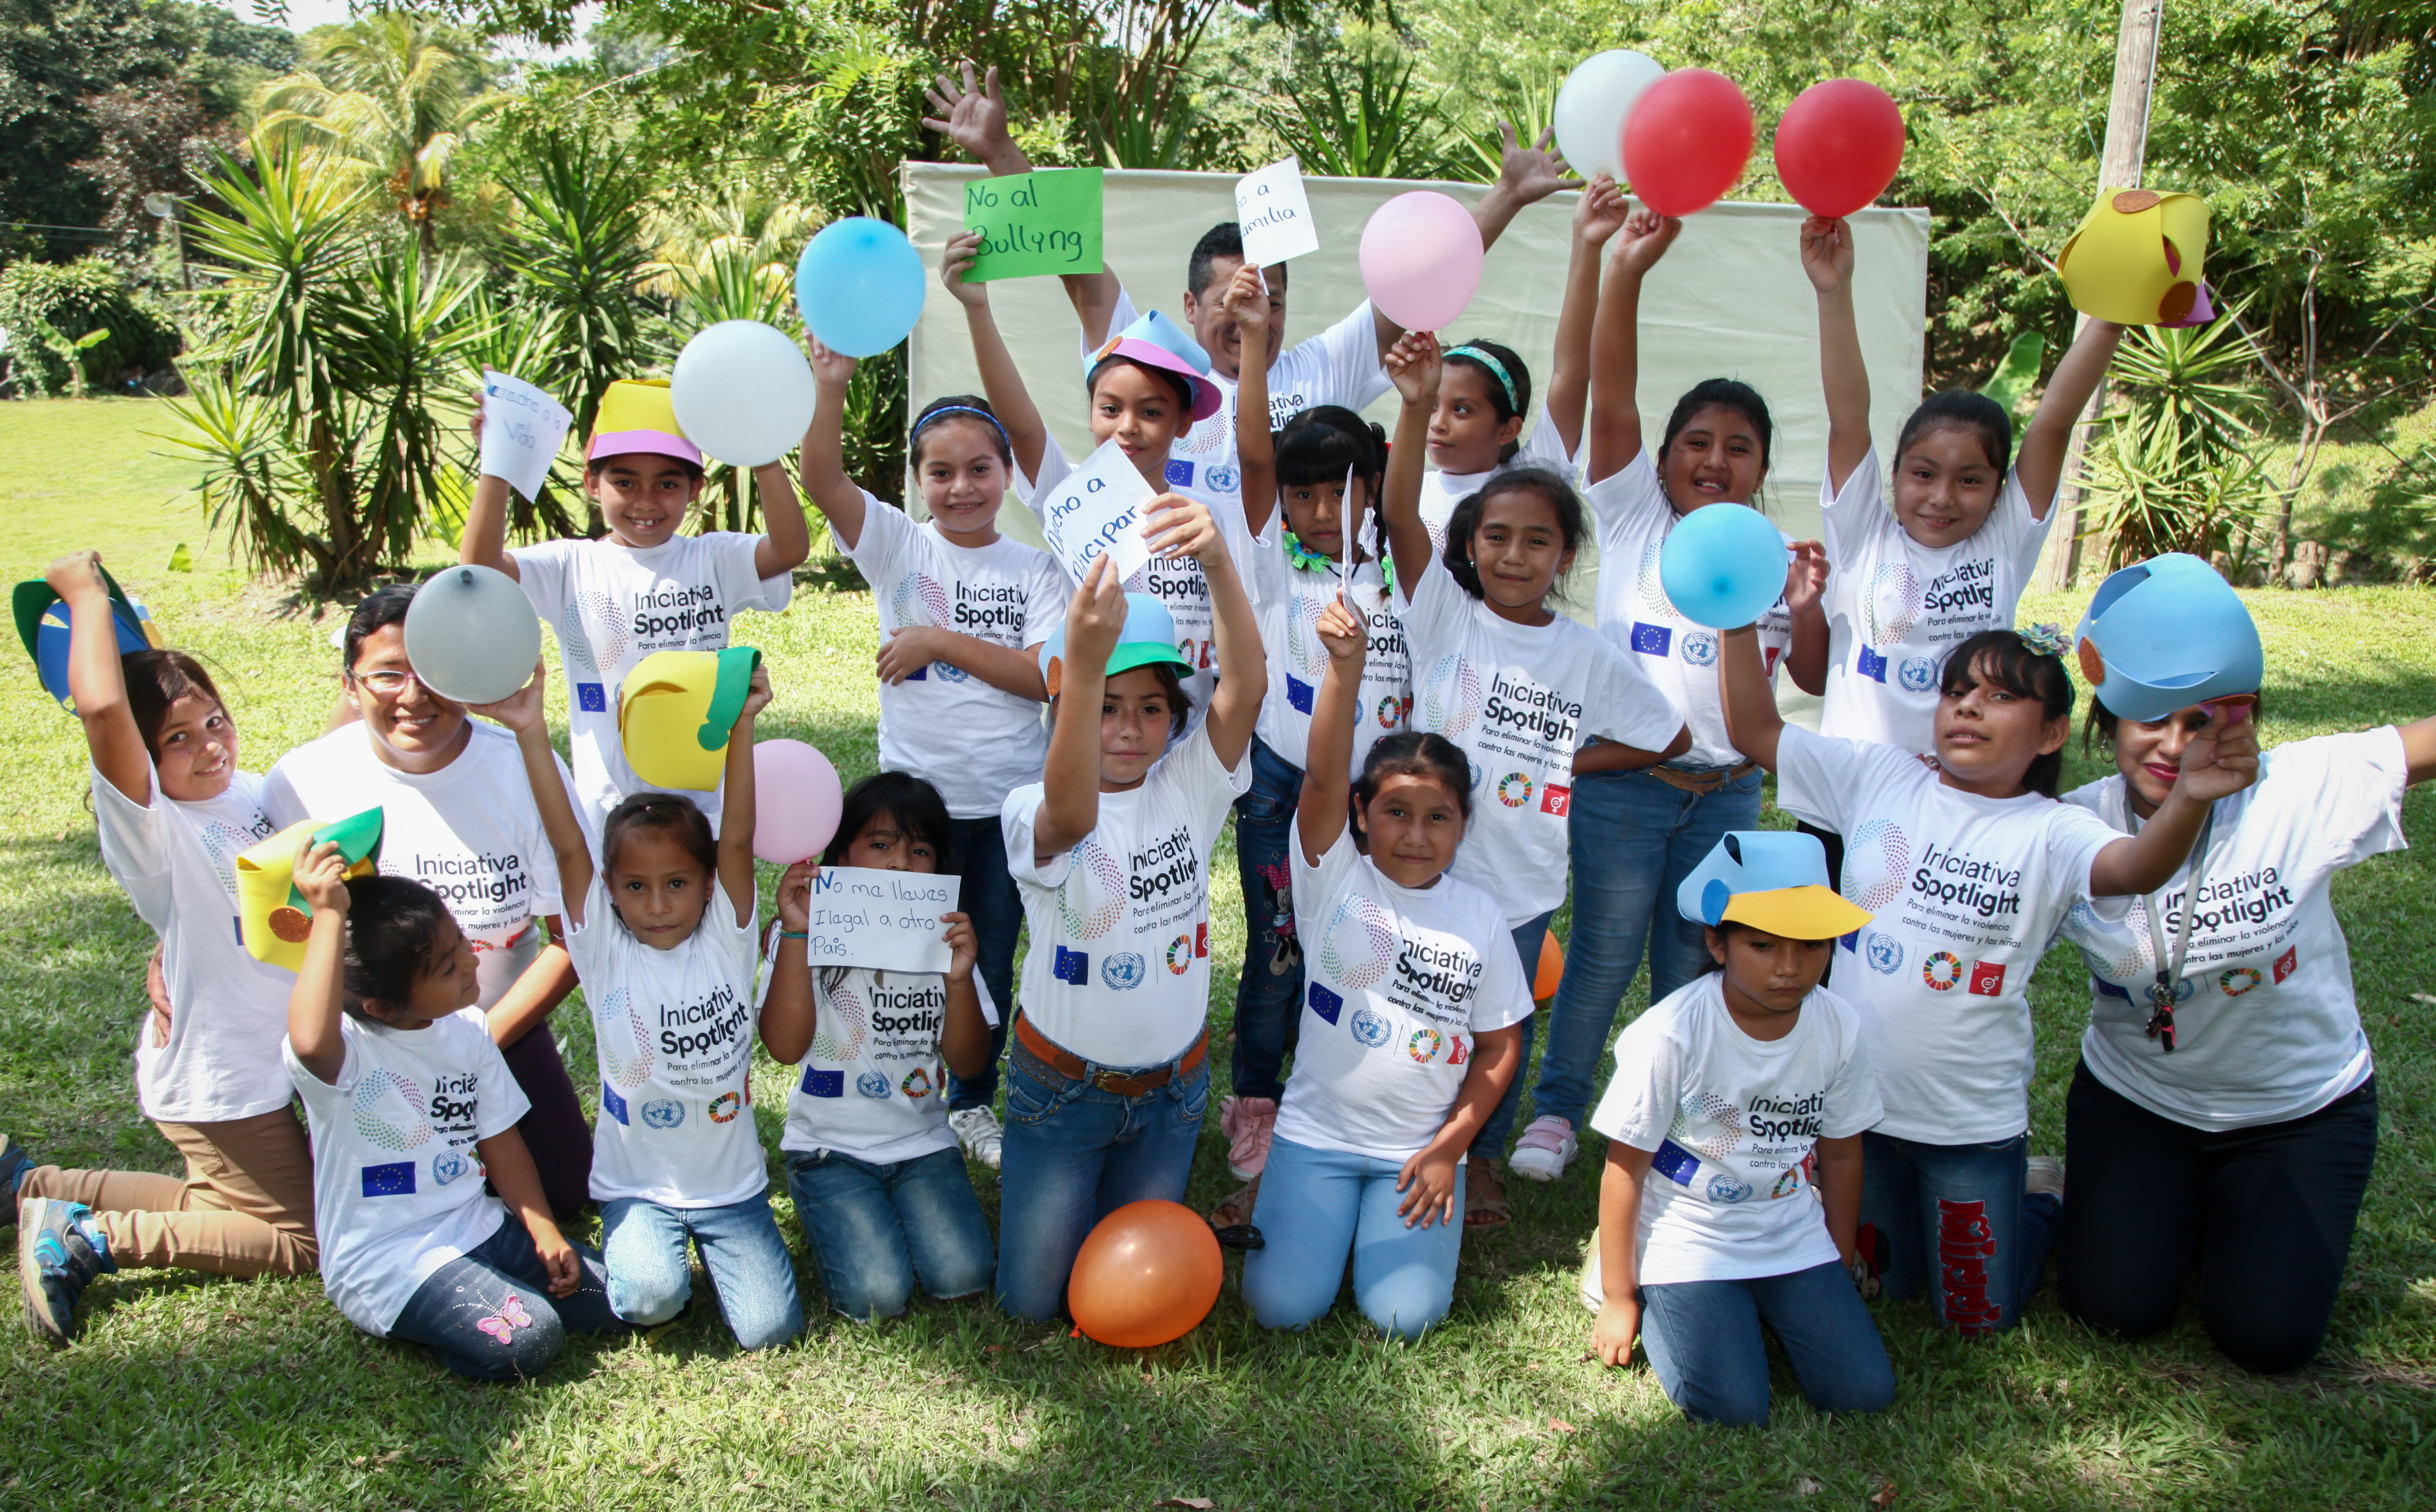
[
  {"x": 1496, "y": 369},
  {"x": 924, "y": 424}
]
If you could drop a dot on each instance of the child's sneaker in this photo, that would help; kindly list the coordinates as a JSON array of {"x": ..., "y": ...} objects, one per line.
[
  {"x": 58, "y": 1253},
  {"x": 1248, "y": 1122},
  {"x": 15, "y": 1163},
  {"x": 978, "y": 1131},
  {"x": 1544, "y": 1149}
]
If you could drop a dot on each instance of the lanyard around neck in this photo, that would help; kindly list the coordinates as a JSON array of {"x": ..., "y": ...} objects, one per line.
[{"x": 2169, "y": 966}]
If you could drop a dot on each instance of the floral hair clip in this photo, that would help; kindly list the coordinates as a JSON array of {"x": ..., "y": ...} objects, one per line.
[{"x": 2047, "y": 640}]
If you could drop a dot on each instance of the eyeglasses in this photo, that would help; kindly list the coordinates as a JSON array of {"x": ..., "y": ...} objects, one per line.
[{"x": 390, "y": 683}]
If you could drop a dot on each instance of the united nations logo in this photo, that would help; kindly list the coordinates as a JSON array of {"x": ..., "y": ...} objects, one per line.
[
  {"x": 1917, "y": 674},
  {"x": 1700, "y": 649},
  {"x": 1125, "y": 969},
  {"x": 1723, "y": 1188},
  {"x": 447, "y": 1166},
  {"x": 664, "y": 1113},
  {"x": 1371, "y": 1027},
  {"x": 873, "y": 1086},
  {"x": 1885, "y": 953}
]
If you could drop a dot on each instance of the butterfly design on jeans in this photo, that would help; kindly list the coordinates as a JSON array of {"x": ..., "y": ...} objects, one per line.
[{"x": 503, "y": 1324}]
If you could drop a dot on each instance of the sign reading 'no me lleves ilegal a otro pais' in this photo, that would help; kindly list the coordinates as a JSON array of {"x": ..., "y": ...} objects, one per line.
[
  {"x": 888, "y": 921},
  {"x": 1033, "y": 224}
]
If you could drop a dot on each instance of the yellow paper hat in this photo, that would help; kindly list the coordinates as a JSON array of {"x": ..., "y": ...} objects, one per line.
[
  {"x": 676, "y": 709},
  {"x": 272, "y": 917},
  {"x": 2138, "y": 258},
  {"x": 638, "y": 415}
]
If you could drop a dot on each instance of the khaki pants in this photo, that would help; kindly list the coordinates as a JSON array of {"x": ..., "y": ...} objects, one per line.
[{"x": 245, "y": 1207}]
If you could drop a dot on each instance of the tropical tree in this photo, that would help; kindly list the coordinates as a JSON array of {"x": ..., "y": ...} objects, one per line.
[{"x": 2174, "y": 466}]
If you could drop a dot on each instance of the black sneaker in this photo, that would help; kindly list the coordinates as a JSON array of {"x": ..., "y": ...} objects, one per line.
[
  {"x": 15, "y": 1163},
  {"x": 57, "y": 1259}
]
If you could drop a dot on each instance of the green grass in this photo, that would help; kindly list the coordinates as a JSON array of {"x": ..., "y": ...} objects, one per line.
[{"x": 193, "y": 1392}]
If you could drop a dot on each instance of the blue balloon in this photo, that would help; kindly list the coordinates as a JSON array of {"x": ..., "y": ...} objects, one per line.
[
  {"x": 1722, "y": 565},
  {"x": 859, "y": 285}
]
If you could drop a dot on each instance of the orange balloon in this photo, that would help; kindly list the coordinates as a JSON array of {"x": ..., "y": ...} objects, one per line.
[
  {"x": 1551, "y": 967},
  {"x": 1149, "y": 1273}
]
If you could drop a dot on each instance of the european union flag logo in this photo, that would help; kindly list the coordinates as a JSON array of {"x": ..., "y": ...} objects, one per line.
[
  {"x": 1326, "y": 1003},
  {"x": 1298, "y": 693},
  {"x": 1872, "y": 664},
  {"x": 1072, "y": 966},
  {"x": 1674, "y": 1162},
  {"x": 1652, "y": 641},
  {"x": 1179, "y": 473},
  {"x": 592, "y": 695},
  {"x": 823, "y": 1084},
  {"x": 612, "y": 1105},
  {"x": 390, "y": 1181}
]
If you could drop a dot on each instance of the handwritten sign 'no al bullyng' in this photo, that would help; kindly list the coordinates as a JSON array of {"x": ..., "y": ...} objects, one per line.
[
  {"x": 1034, "y": 223},
  {"x": 886, "y": 920}
]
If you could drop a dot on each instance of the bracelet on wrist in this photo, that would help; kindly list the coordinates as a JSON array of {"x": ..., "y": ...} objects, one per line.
[{"x": 793, "y": 934}]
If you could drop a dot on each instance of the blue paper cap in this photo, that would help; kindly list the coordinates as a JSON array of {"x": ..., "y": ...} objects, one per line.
[
  {"x": 1772, "y": 879},
  {"x": 1149, "y": 636},
  {"x": 2165, "y": 634},
  {"x": 1162, "y": 332}
]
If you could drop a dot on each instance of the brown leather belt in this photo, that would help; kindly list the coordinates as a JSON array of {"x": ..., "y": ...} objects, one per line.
[
  {"x": 1703, "y": 782},
  {"x": 1075, "y": 1069}
]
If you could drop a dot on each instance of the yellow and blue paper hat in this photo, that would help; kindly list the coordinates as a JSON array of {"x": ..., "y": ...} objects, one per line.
[
  {"x": 1149, "y": 636},
  {"x": 1772, "y": 879},
  {"x": 273, "y": 919},
  {"x": 2165, "y": 634},
  {"x": 43, "y": 625},
  {"x": 638, "y": 415},
  {"x": 676, "y": 710},
  {"x": 1155, "y": 342},
  {"x": 2139, "y": 258}
]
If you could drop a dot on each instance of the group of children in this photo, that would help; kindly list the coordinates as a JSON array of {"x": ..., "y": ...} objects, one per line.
[{"x": 1351, "y": 645}]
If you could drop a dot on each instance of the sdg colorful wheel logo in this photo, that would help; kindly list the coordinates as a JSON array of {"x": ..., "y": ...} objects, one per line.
[
  {"x": 1179, "y": 955},
  {"x": 2238, "y": 980},
  {"x": 1425, "y": 1045},
  {"x": 1941, "y": 971},
  {"x": 724, "y": 1107},
  {"x": 1514, "y": 789}
]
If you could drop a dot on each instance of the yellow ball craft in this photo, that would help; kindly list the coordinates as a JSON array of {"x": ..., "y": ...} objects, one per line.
[
  {"x": 2138, "y": 258},
  {"x": 273, "y": 919},
  {"x": 675, "y": 710}
]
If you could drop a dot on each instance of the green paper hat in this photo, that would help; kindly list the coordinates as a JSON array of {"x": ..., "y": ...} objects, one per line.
[{"x": 46, "y": 635}]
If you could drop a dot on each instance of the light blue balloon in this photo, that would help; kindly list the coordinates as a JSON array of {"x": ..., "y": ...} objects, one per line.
[
  {"x": 859, "y": 285},
  {"x": 1722, "y": 565}
]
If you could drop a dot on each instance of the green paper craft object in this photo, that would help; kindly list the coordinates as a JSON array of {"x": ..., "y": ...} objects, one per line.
[{"x": 358, "y": 838}]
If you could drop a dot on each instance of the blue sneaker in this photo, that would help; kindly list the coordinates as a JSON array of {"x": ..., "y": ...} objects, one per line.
[
  {"x": 58, "y": 1253},
  {"x": 15, "y": 1163}
]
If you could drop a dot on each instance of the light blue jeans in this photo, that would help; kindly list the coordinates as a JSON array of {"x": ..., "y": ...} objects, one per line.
[
  {"x": 1634, "y": 838},
  {"x": 1317, "y": 1205},
  {"x": 1704, "y": 1344},
  {"x": 751, "y": 1272},
  {"x": 880, "y": 1230}
]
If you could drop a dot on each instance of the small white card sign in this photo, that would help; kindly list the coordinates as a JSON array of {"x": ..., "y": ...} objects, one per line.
[
  {"x": 1275, "y": 215},
  {"x": 885, "y": 920},
  {"x": 522, "y": 427},
  {"x": 1096, "y": 511}
]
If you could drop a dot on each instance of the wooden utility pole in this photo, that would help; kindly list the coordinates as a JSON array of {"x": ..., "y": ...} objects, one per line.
[{"x": 2127, "y": 143}]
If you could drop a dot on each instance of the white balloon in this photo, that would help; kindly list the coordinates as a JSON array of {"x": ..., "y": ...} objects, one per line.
[
  {"x": 1592, "y": 106},
  {"x": 743, "y": 392},
  {"x": 471, "y": 635}
]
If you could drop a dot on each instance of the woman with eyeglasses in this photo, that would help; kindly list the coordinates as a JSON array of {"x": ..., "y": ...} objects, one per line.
[{"x": 458, "y": 818}]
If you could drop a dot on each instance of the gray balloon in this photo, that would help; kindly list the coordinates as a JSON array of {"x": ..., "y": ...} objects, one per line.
[{"x": 472, "y": 635}]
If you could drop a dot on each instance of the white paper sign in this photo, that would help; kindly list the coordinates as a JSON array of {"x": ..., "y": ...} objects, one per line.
[
  {"x": 1275, "y": 215},
  {"x": 885, "y": 920},
  {"x": 522, "y": 427},
  {"x": 1098, "y": 509}
]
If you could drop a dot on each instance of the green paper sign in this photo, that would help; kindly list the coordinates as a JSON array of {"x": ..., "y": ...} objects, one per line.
[{"x": 1033, "y": 224}]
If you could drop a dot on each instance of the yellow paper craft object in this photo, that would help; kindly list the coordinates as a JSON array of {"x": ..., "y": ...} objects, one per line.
[
  {"x": 272, "y": 918},
  {"x": 2138, "y": 258},
  {"x": 676, "y": 709},
  {"x": 638, "y": 415}
]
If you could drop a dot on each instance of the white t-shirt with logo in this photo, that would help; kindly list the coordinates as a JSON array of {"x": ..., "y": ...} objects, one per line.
[
  {"x": 1118, "y": 971},
  {"x": 1399, "y": 983},
  {"x": 1288, "y": 607},
  {"x": 971, "y": 740},
  {"x": 1520, "y": 700},
  {"x": 1895, "y": 607},
  {"x": 397, "y": 1182},
  {"x": 673, "y": 1033},
  {"x": 2265, "y": 1025},
  {"x": 1735, "y": 1123},
  {"x": 469, "y": 832},
  {"x": 177, "y": 863},
  {"x": 1968, "y": 892},
  {"x": 612, "y": 606},
  {"x": 873, "y": 1085},
  {"x": 1441, "y": 492},
  {"x": 1634, "y": 519}
]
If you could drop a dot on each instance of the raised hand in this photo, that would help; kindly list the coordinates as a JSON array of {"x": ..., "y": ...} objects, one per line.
[
  {"x": 963, "y": 947},
  {"x": 1345, "y": 634},
  {"x": 1644, "y": 238},
  {"x": 1413, "y": 364},
  {"x": 831, "y": 370},
  {"x": 1529, "y": 173},
  {"x": 1827, "y": 253},
  {"x": 1601, "y": 212},
  {"x": 1805, "y": 576},
  {"x": 75, "y": 573},
  {"x": 2221, "y": 760},
  {"x": 1097, "y": 616},
  {"x": 794, "y": 896},
  {"x": 1246, "y": 302},
  {"x": 974, "y": 118},
  {"x": 322, "y": 875},
  {"x": 758, "y": 695},
  {"x": 956, "y": 259},
  {"x": 1176, "y": 526},
  {"x": 522, "y": 709}
]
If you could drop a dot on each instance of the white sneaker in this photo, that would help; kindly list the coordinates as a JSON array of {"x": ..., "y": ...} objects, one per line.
[
  {"x": 1544, "y": 1149},
  {"x": 977, "y": 1130}
]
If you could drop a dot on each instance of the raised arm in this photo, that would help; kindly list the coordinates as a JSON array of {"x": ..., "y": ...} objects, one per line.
[
  {"x": 822, "y": 459},
  {"x": 786, "y": 541},
  {"x": 522, "y": 712},
  {"x": 2039, "y": 461},
  {"x": 1248, "y": 300},
  {"x": 789, "y": 1013},
  {"x": 2221, "y": 760},
  {"x": 1070, "y": 782},
  {"x": 1805, "y": 593},
  {"x": 1827, "y": 261},
  {"x": 964, "y": 1038},
  {"x": 1414, "y": 363},
  {"x": 1752, "y": 722},
  {"x": 1179, "y": 526},
  {"x": 1525, "y": 176},
  {"x": 736, "y": 813},
  {"x": 96, "y": 681},
  {"x": 1319, "y": 815},
  {"x": 1599, "y": 216},
  {"x": 1615, "y": 343},
  {"x": 318, "y": 999},
  {"x": 1027, "y": 435},
  {"x": 484, "y": 543}
]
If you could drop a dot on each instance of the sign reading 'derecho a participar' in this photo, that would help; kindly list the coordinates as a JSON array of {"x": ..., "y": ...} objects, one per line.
[
  {"x": 1034, "y": 223},
  {"x": 886, "y": 920},
  {"x": 1097, "y": 509}
]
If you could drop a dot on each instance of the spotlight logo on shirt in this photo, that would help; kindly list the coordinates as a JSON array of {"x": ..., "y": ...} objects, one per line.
[
  {"x": 838, "y": 1029},
  {"x": 1359, "y": 943},
  {"x": 1874, "y": 863},
  {"x": 918, "y": 600},
  {"x": 1093, "y": 898},
  {"x": 1371, "y": 1027},
  {"x": 1891, "y": 606},
  {"x": 1450, "y": 696},
  {"x": 389, "y": 1111},
  {"x": 1952, "y": 881}
]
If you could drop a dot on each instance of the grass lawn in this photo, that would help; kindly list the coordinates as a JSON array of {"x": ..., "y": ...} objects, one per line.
[{"x": 187, "y": 1391}]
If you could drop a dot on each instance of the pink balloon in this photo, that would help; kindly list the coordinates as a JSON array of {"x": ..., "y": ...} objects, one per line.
[
  {"x": 795, "y": 800},
  {"x": 1421, "y": 259},
  {"x": 1686, "y": 141},
  {"x": 1838, "y": 144}
]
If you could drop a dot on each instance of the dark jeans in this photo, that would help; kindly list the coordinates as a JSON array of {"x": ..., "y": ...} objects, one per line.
[
  {"x": 2265, "y": 1213},
  {"x": 1957, "y": 1214},
  {"x": 554, "y": 1129},
  {"x": 1490, "y": 1143},
  {"x": 997, "y": 910},
  {"x": 1268, "y": 997},
  {"x": 503, "y": 1283},
  {"x": 1704, "y": 1344}
]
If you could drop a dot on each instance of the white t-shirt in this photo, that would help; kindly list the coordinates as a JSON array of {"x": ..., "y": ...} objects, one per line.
[
  {"x": 397, "y": 1184},
  {"x": 1895, "y": 607},
  {"x": 177, "y": 864},
  {"x": 2265, "y": 1025},
  {"x": 469, "y": 832},
  {"x": 1441, "y": 492},
  {"x": 1634, "y": 519},
  {"x": 873, "y": 1085},
  {"x": 1289, "y": 605},
  {"x": 1399, "y": 983},
  {"x": 1118, "y": 971},
  {"x": 1968, "y": 892},
  {"x": 1734, "y": 1122},
  {"x": 1339, "y": 366},
  {"x": 1520, "y": 700},
  {"x": 612, "y": 606},
  {"x": 673, "y": 1033},
  {"x": 971, "y": 740}
]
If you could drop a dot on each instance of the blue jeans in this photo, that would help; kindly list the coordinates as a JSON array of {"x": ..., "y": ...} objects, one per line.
[
  {"x": 1490, "y": 1143},
  {"x": 877, "y": 1230},
  {"x": 1633, "y": 840},
  {"x": 1704, "y": 1344},
  {"x": 751, "y": 1272},
  {"x": 1073, "y": 1154},
  {"x": 502, "y": 1283},
  {"x": 1268, "y": 996},
  {"x": 1314, "y": 1207},
  {"x": 1957, "y": 1213},
  {"x": 989, "y": 896}
]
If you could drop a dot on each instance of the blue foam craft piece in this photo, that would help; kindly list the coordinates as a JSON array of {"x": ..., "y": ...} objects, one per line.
[
  {"x": 859, "y": 286},
  {"x": 1722, "y": 565},
  {"x": 2165, "y": 634}
]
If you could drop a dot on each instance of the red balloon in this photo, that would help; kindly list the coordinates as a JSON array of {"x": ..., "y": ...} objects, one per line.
[
  {"x": 1838, "y": 146},
  {"x": 1149, "y": 1273},
  {"x": 1686, "y": 141}
]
